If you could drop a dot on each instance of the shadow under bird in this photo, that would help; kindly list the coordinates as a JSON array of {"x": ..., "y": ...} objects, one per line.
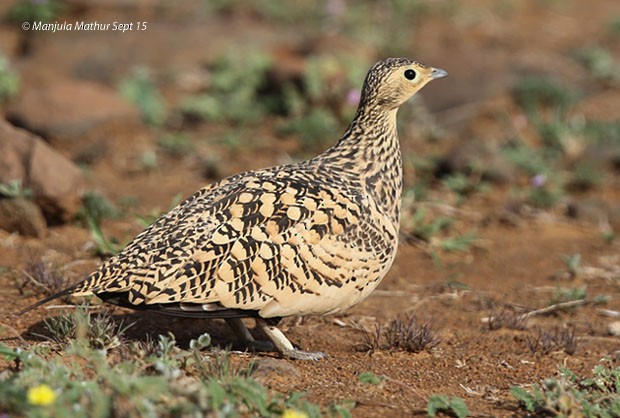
[{"x": 310, "y": 238}]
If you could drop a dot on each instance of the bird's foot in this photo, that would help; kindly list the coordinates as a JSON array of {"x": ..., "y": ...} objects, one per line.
[{"x": 284, "y": 346}]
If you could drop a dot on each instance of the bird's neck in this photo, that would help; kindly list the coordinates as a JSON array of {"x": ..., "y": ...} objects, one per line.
[{"x": 370, "y": 153}]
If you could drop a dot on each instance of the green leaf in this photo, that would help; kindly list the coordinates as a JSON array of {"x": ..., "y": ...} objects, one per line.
[
  {"x": 454, "y": 405},
  {"x": 525, "y": 397},
  {"x": 369, "y": 378},
  {"x": 457, "y": 405}
]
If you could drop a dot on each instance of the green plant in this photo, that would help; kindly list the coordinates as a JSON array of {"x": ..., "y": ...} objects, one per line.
[
  {"x": 569, "y": 395},
  {"x": 584, "y": 177},
  {"x": 567, "y": 294},
  {"x": 14, "y": 189},
  {"x": 233, "y": 95},
  {"x": 451, "y": 405},
  {"x": 148, "y": 160},
  {"x": 138, "y": 379},
  {"x": 370, "y": 378},
  {"x": 614, "y": 26},
  {"x": 463, "y": 185},
  {"x": 140, "y": 89},
  {"x": 535, "y": 92},
  {"x": 175, "y": 144},
  {"x": 425, "y": 229},
  {"x": 459, "y": 243},
  {"x": 98, "y": 206},
  {"x": 315, "y": 129},
  {"x": 572, "y": 262},
  {"x": 601, "y": 63},
  {"x": 103, "y": 246},
  {"x": 602, "y": 132},
  {"x": 34, "y": 11},
  {"x": 9, "y": 80},
  {"x": 527, "y": 159},
  {"x": 98, "y": 331}
]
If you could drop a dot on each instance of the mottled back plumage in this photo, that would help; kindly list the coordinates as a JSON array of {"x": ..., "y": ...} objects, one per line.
[{"x": 315, "y": 237}]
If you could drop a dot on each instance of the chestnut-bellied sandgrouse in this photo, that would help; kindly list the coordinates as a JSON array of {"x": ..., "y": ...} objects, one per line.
[{"x": 310, "y": 238}]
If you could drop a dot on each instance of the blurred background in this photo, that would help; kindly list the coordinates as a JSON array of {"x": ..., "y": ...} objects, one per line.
[
  {"x": 193, "y": 91},
  {"x": 512, "y": 163}
]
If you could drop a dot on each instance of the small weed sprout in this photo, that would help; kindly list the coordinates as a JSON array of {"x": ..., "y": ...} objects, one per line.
[
  {"x": 15, "y": 189},
  {"x": 601, "y": 64},
  {"x": 140, "y": 89},
  {"x": 568, "y": 294},
  {"x": 572, "y": 262},
  {"x": 9, "y": 80},
  {"x": 94, "y": 208},
  {"x": 370, "y": 378}
]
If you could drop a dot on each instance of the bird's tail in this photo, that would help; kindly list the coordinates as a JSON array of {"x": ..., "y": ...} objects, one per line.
[
  {"x": 79, "y": 289},
  {"x": 62, "y": 293}
]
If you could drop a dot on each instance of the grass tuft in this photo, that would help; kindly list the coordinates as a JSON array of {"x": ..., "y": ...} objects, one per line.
[
  {"x": 45, "y": 276},
  {"x": 557, "y": 339},
  {"x": 400, "y": 334}
]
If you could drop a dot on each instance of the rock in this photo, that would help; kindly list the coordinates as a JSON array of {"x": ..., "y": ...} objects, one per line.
[
  {"x": 56, "y": 182},
  {"x": 268, "y": 368},
  {"x": 614, "y": 328},
  {"x": 23, "y": 216},
  {"x": 65, "y": 109},
  {"x": 471, "y": 156}
]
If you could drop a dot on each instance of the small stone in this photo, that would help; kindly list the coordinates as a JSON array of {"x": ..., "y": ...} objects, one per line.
[
  {"x": 22, "y": 216},
  {"x": 267, "y": 368},
  {"x": 614, "y": 328}
]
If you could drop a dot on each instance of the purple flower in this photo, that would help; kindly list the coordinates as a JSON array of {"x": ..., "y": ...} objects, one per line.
[
  {"x": 539, "y": 180},
  {"x": 353, "y": 97}
]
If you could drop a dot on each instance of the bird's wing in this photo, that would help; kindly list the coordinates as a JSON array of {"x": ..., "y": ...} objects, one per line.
[{"x": 236, "y": 245}]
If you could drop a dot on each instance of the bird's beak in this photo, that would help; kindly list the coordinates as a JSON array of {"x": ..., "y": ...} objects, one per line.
[{"x": 438, "y": 73}]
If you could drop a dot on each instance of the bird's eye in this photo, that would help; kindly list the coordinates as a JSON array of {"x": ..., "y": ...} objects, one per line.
[{"x": 409, "y": 74}]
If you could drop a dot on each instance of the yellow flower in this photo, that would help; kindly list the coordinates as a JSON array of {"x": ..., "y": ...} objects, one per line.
[
  {"x": 42, "y": 395},
  {"x": 292, "y": 413}
]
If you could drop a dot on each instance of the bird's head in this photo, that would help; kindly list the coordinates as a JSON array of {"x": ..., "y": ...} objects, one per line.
[{"x": 391, "y": 82}]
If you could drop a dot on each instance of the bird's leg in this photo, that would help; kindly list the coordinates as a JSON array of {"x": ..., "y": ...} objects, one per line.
[
  {"x": 284, "y": 346},
  {"x": 244, "y": 336}
]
